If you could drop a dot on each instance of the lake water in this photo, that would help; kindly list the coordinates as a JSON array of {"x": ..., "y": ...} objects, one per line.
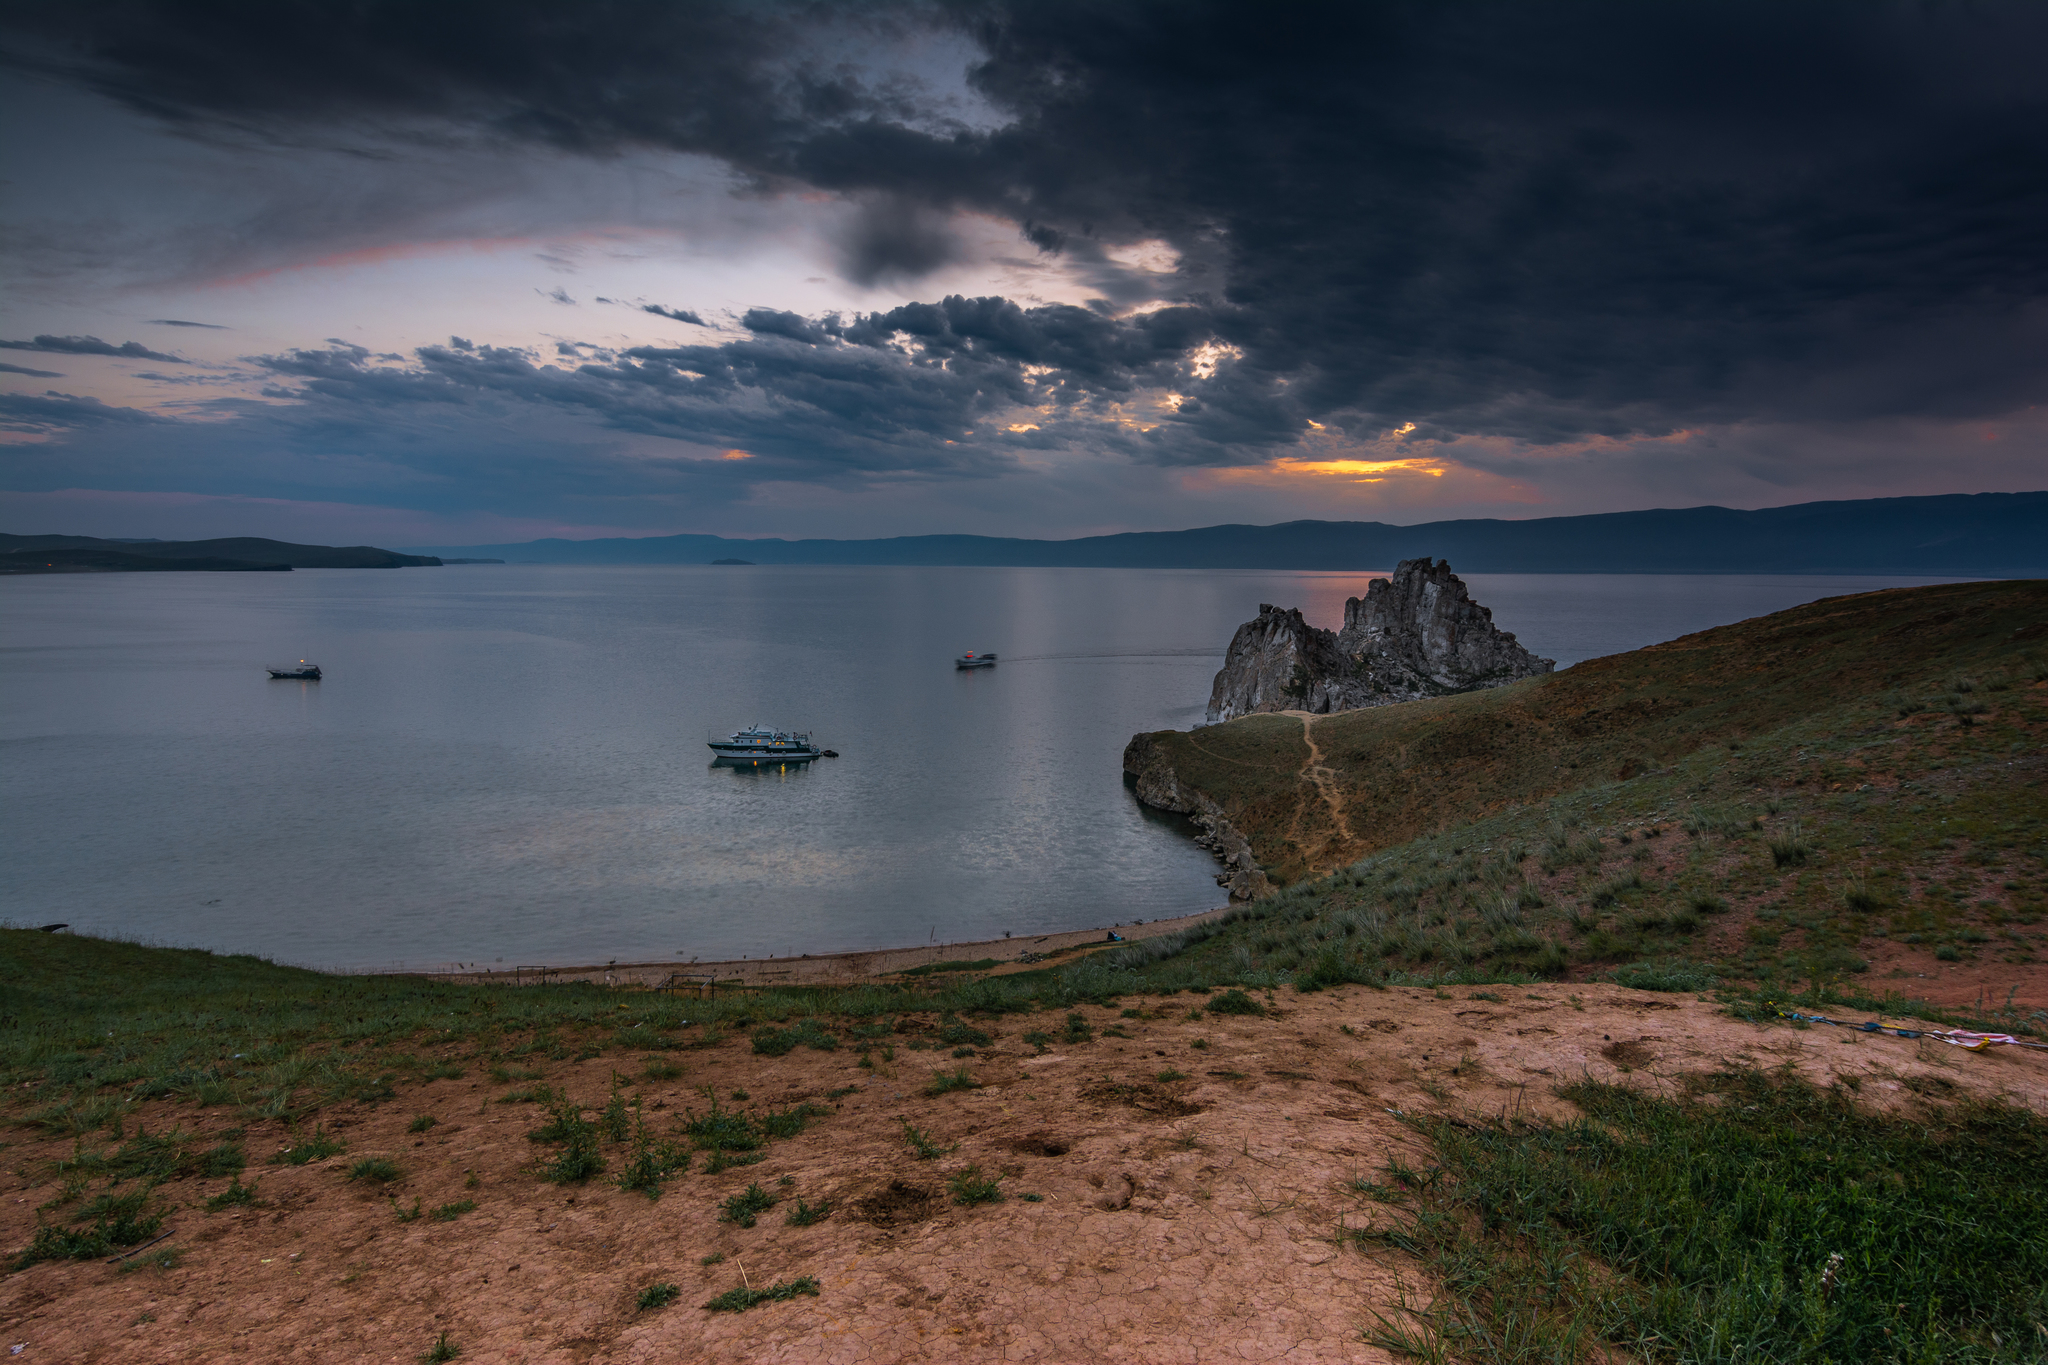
[{"x": 506, "y": 764}]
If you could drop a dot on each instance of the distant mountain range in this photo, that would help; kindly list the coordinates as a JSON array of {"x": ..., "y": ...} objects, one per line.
[
  {"x": 89, "y": 554},
  {"x": 1990, "y": 535}
]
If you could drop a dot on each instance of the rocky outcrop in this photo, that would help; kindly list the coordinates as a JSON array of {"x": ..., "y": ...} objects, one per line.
[
  {"x": 1153, "y": 777},
  {"x": 1417, "y": 634}
]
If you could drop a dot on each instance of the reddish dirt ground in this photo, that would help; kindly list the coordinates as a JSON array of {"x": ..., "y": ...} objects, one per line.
[{"x": 1190, "y": 1220}]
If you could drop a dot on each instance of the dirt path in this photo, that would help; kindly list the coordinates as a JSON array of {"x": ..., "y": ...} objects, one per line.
[{"x": 1324, "y": 781}]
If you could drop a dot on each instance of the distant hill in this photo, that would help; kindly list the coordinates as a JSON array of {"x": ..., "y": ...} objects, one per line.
[
  {"x": 72, "y": 560},
  {"x": 1990, "y": 535},
  {"x": 235, "y": 552}
]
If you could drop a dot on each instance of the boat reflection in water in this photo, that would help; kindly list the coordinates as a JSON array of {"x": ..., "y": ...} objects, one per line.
[{"x": 760, "y": 747}]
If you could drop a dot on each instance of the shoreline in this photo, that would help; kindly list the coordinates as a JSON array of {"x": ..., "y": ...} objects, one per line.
[{"x": 861, "y": 967}]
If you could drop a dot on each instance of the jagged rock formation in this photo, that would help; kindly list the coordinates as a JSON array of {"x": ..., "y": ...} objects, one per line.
[{"x": 1418, "y": 634}]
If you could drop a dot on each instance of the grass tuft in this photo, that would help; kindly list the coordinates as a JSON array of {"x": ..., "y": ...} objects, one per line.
[
  {"x": 657, "y": 1296},
  {"x": 744, "y": 1207},
  {"x": 740, "y": 1300}
]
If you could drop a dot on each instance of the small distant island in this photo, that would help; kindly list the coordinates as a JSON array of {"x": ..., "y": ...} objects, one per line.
[
  {"x": 236, "y": 554},
  {"x": 472, "y": 561},
  {"x": 732, "y": 561}
]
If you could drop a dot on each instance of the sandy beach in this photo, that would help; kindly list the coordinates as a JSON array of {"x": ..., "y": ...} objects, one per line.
[{"x": 1017, "y": 954}]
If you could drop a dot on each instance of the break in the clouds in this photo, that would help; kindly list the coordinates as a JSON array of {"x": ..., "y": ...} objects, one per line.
[{"x": 1143, "y": 262}]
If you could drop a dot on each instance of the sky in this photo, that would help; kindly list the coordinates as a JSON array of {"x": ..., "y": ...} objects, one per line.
[{"x": 481, "y": 272}]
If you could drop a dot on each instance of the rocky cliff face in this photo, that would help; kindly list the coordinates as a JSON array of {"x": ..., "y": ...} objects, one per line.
[
  {"x": 1418, "y": 634},
  {"x": 1157, "y": 786}
]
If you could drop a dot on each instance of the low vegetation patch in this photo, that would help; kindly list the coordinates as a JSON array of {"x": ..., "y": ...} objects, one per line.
[
  {"x": 1756, "y": 1210},
  {"x": 741, "y": 1299}
]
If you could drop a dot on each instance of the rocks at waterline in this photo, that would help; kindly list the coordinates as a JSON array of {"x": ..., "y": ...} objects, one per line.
[{"x": 1418, "y": 634}]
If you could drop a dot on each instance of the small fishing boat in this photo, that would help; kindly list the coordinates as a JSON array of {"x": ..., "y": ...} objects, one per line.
[
  {"x": 972, "y": 660},
  {"x": 299, "y": 672},
  {"x": 760, "y": 746}
]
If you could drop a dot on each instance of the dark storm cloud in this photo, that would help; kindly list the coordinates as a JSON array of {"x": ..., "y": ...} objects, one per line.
[
  {"x": 679, "y": 314},
  {"x": 180, "y": 322},
  {"x": 33, "y": 374},
  {"x": 127, "y": 350},
  {"x": 61, "y": 412},
  {"x": 927, "y": 390},
  {"x": 1542, "y": 222}
]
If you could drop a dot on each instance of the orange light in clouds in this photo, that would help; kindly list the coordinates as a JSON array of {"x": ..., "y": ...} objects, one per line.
[
  {"x": 739, "y": 455},
  {"x": 1359, "y": 471}
]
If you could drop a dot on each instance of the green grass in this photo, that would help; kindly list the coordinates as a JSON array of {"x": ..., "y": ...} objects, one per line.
[
  {"x": 1702, "y": 1229},
  {"x": 235, "y": 1196},
  {"x": 315, "y": 1148},
  {"x": 744, "y": 1207},
  {"x": 421, "y": 1123},
  {"x": 107, "y": 1223},
  {"x": 723, "y": 1130},
  {"x": 803, "y": 1215},
  {"x": 970, "y": 1187},
  {"x": 740, "y": 1300},
  {"x": 922, "y": 1142},
  {"x": 787, "y": 1123},
  {"x": 1233, "y": 1001},
  {"x": 935, "y": 968},
  {"x": 952, "y": 1031},
  {"x": 946, "y": 1082},
  {"x": 377, "y": 1170},
  {"x": 442, "y": 1350},
  {"x": 777, "y": 1042},
  {"x": 578, "y": 1158},
  {"x": 657, "y": 1296},
  {"x": 448, "y": 1213}
]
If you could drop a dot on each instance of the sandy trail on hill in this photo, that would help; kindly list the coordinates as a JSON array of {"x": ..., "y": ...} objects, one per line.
[{"x": 1182, "y": 1221}]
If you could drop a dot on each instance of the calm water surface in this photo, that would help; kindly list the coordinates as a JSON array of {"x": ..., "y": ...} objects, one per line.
[{"x": 507, "y": 764}]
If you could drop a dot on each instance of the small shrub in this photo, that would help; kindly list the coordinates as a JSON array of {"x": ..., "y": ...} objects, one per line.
[
  {"x": 1234, "y": 1001},
  {"x": 1077, "y": 1029},
  {"x": 1948, "y": 952},
  {"x": 661, "y": 1069},
  {"x": 740, "y": 1300},
  {"x": 921, "y": 1142},
  {"x": 803, "y": 1215},
  {"x": 579, "y": 1159},
  {"x": 616, "y": 1121},
  {"x": 787, "y": 1123},
  {"x": 775, "y": 1042},
  {"x": 448, "y": 1213},
  {"x": 952, "y": 1031},
  {"x": 421, "y": 1123},
  {"x": 946, "y": 1082},
  {"x": 970, "y": 1188},
  {"x": 1171, "y": 1075},
  {"x": 442, "y": 1349},
  {"x": 1038, "y": 1038},
  {"x": 376, "y": 1169},
  {"x": 744, "y": 1207},
  {"x": 1708, "y": 905},
  {"x": 722, "y": 1130},
  {"x": 406, "y": 1215},
  {"x": 657, "y": 1296}
]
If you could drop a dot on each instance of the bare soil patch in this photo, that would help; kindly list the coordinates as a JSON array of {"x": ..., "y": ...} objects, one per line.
[{"x": 1158, "y": 1234}]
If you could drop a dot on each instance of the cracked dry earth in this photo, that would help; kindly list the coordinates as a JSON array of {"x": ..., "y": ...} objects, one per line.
[{"x": 1188, "y": 1220}]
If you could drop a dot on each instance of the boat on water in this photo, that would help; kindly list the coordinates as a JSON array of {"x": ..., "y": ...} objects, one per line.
[
  {"x": 300, "y": 672},
  {"x": 972, "y": 660},
  {"x": 760, "y": 746}
]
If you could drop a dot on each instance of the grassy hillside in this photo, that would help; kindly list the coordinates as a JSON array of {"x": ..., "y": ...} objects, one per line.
[{"x": 1861, "y": 777}]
